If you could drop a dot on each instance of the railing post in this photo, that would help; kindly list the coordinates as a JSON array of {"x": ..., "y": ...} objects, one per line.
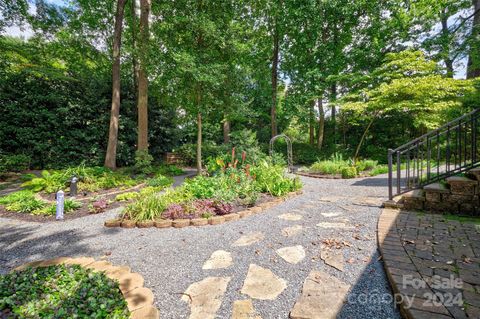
[
  {"x": 399, "y": 173},
  {"x": 390, "y": 175}
]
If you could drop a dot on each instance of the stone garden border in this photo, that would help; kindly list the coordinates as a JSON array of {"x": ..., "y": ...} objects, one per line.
[
  {"x": 139, "y": 299},
  {"x": 215, "y": 220}
]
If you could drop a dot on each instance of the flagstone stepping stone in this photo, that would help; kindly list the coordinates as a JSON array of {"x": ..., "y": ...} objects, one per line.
[
  {"x": 334, "y": 225},
  {"x": 307, "y": 206},
  {"x": 205, "y": 297},
  {"x": 323, "y": 297},
  {"x": 138, "y": 298},
  {"x": 130, "y": 281},
  {"x": 249, "y": 239},
  {"x": 292, "y": 255},
  {"x": 219, "y": 259},
  {"x": 262, "y": 283},
  {"x": 333, "y": 258},
  {"x": 368, "y": 201},
  {"x": 334, "y": 214},
  {"x": 292, "y": 230},
  {"x": 331, "y": 199},
  {"x": 291, "y": 217},
  {"x": 147, "y": 312},
  {"x": 243, "y": 309}
]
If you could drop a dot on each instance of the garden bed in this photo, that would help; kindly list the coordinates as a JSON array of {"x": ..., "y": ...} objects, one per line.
[
  {"x": 33, "y": 196},
  {"x": 69, "y": 287},
  {"x": 231, "y": 186},
  {"x": 237, "y": 213},
  {"x": 338, "y": 168}
]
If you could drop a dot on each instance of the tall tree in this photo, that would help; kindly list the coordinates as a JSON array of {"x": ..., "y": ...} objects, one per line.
[
  {"x": 142, "y": 105},
  {"x": 473, "y": 67},
  {"x": 111, "y": 155},
  {"x": 273, "y": 110}
]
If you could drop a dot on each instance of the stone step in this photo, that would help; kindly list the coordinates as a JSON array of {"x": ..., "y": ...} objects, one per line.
[
  {"x": 436, "y": 188},
  {"x": 462, "y": 185},
  {"x": 414, "y": 194},
  {"x": 474, "y": 173},
  {"x": 461, "y": 180}
]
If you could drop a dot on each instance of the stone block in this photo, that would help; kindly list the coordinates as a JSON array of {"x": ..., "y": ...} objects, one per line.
[
  {"x": 433, "y": 197},
  {"x": 413, "y": 203},
  {"x": 441, "y": 207},
  {"x": 163, "y": 223},
  {"x": 462, "y": 185}
]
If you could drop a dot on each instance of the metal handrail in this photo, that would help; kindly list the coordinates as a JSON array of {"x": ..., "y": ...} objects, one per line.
[{"x": 446, "y": 151}]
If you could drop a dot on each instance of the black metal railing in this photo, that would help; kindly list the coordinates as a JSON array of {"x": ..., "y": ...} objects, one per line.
[{"x": 446, "y": 151}]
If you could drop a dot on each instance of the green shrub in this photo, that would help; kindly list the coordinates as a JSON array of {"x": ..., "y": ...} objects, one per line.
[
  {"x": 151, "y": 206},
  {"x": 349, "y": 172},
  {"x": 69, "y": 206},
  {"x": 61, "y": 292},
  {"x": 169, "y": 170},
  {"x": 23, "y": 201},
  {"x": 160, "y": 181},
  {"x": 50, "y": 182},
  {"x": 126, "y": 196},
  {"x": 14, "y": 163},
  {"x": 380, "y": 169},
  {"x": 143, "y": 162},
  {"x": 365, "y": 165},
  {"x": 271, "y": 179}
]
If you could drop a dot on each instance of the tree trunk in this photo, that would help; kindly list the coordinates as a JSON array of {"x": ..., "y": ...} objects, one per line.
[
  {"x": 321, "y": 124},
  {"x": 199, "y": 142},
  {"x": 226, "y": 131},
  {"x": 473, "y": 67},
  {"x": 134, "y": 46},
  {"x": 142, "y": 103},
  {"x": 334, "y": 112},
  {"x": 362, "y": 139},
  {"x": 273, "y": 111},
  {"x": 312, "y": 123},
  {"x": 445, "y": 46},
  {"x": 111, "y": 155}
]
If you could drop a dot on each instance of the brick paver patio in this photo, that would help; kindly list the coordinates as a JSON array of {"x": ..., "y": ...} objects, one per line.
[{"x": 433, "y": 264}]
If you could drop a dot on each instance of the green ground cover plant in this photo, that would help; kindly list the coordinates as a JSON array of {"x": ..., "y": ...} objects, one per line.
[
  {"x": 26, "y": 201},
  {"x": 347, "y": 168},
  {"x": 61, "y": 292},
  {"x": 90, "y": 180}
]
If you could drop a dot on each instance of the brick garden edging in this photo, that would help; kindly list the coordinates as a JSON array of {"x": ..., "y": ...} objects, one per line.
[
  {"x": 215, "y": 220},
  {"x": 139, "y": 299},
  {"x": 427, "y": 248}
]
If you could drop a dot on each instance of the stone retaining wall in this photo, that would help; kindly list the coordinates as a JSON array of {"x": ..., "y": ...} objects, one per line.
[{"x": 457, "y": 195}]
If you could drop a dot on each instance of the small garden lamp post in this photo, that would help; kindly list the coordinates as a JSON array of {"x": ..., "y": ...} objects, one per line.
[
  {"x": 60, "y": 205},
  {"x": 73, "y": 186}
]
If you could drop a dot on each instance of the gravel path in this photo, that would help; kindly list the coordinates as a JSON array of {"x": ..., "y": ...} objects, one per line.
[{"x": 171, "y": 259}]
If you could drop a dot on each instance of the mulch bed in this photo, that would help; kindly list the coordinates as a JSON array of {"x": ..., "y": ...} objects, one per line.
[{"x": 84, "y": 198}]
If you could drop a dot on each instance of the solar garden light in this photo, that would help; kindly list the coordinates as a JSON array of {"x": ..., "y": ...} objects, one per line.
[
  {"x": 60, "y": 205},
  {"x": 73, "y": 186}
]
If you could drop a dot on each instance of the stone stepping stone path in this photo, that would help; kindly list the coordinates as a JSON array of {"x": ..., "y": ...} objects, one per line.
[
  {"x": 333, "y": 214},
  {"x": 249, "y": 239},
  {"x": 292, "y": 255},
  {"x": 205, "y": 297},
  {"x": 322, "y": 297},
  {"x": 334, "y": 225},
  {"x": 333, "y": 257},
  {"x": 271, "y": 265},
  {"x": 219, "y": 259},
  {"x": 243, "y": 309},
  {"x": 262, "y": 283},
  {"x": 291, "y": 217},
  {"x": 292, "y": 230}
]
